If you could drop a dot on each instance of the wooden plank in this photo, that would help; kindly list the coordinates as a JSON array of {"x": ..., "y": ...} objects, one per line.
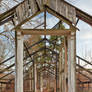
[
  {"x": 7, "y": 68},
  {"x": 44, "y": 32},
  {"x": 40, "y": 4},
  {"x": 22, "y": 11},
  {"x": 33, "y": 6},
  {"x": 35, "y": 71}
]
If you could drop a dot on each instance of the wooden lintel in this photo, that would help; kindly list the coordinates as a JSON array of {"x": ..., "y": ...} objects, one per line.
[{"x": 45, "y": 32}]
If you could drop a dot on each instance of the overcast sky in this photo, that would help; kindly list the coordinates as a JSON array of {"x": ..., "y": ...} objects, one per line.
[{"x": 84, "y": 37}]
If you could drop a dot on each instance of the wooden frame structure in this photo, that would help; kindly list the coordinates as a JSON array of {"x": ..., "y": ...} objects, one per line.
[
  {"x": 70, "y": 34},
  {"x": 67, "y": 56}
]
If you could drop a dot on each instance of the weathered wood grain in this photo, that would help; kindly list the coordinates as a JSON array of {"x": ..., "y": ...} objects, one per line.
[
  {"x": 22, "y": 11},
  {"x": 33, "y": 5},
  {"x": 64, "y": 9}
]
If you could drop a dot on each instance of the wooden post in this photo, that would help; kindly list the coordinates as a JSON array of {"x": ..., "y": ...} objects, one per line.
[
  {"x": 1, "y": 87},
  {"x": 41, "y": 83},
  {"x": 56, "y": 76},
  {"x": 63, "y": 70},
  {"x": 30, "y": 81},
  {"x": 35, "y": 77},
  {"x": 65, "y": 65},
  {"x": 19, "y": 63},
  {"x": 71, "y": 62},
  {"x": 60, "y": 72}
]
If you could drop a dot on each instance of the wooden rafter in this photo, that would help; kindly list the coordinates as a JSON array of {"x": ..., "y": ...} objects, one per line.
[{"x": 45, "y": 32}]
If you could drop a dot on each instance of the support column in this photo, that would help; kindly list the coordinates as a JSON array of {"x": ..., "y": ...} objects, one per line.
[
  {"x": 65, "y": 65},
  {"x": 41, "y": 83},
  {"x": 60, "y": 72},
  {"x": 30, "y": 81},
  {"x": 35, "y": 77},
  {"x": 71, "y": 62},
  {"x": 19, "y": 62}
]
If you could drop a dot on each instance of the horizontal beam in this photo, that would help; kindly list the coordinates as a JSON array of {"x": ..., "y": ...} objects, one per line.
[
  {"x": 84, "y": 68},
  {"x": 85, "y": 75},
  {"x": 88, "y": 62},
  {"x": 6, "y": 20},
  {"x": 57, "y": 32}
]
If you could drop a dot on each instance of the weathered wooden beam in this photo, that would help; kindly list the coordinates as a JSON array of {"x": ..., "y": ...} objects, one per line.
[
  {"x": 7, "y": 68},
  {"x": 84, "y": 60},
  {"x": 33, "y": 5},
  {"x": 6, "y": 20},
  {"x": 84, "y": 16},
  {"x": 84, "y": 68},
  {"x": 86, "y": 82},
  {"x": 41, "y": 83},
  {"x": 64, "y": 59},
  {"x": 19, "y": 63},
  {"x": 71, "y": 62},
  {"x": 85, "y": 76},
  {"x": 45, "y": 32},
  {"x": 6, "y": 75},
  {"x": 60, "y": 72},
  {"x": 7, "y": 60}
]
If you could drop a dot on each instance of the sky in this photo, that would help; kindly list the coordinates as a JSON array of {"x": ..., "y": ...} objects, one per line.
[{"x": 84, "y": 37}]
